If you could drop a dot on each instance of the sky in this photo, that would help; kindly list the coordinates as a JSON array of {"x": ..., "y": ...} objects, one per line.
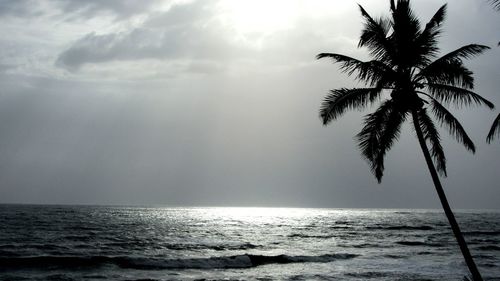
[{"x": 215, "y": 103}]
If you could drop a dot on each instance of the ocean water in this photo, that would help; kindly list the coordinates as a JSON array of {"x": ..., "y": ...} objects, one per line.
[{"x": 154, "y": 243}]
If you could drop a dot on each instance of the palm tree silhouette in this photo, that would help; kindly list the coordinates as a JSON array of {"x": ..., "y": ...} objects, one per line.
[{"x": 404, "y": 64}]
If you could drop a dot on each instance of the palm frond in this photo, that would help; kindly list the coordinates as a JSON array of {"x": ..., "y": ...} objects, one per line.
[
  {"x": 456, "y": 95},
  {"x": 454, "y": 127},
  {"x": 495, "y": 129},
  {"x": 389, "y": 135},
  {"x": 374, "y": 36},
  {"x": 381, "y": 130},
  {"x": 427, "y": 41},
  {"x": 495, "y": 4},
  {"x": 465, "y": 52},
  {"x": 452, "y": 73},
  {"x": 431, "y": 135},
  {"x": 449, "y": 69},
  {"x": 338, "y": 101},
  {"x": 437, "y": 19},
  {"x": 373, "y": 72},
  {"x": 369, "y": 137}
]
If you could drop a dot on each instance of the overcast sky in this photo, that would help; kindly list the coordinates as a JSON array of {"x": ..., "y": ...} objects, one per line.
[{"x": 215, "y": 103}]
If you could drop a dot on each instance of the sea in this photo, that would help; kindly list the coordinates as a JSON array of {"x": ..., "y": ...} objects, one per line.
[{"x": 163, "y": 243}]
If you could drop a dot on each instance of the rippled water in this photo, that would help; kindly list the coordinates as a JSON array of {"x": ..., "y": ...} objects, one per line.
[{"x": 131, "y": 243}]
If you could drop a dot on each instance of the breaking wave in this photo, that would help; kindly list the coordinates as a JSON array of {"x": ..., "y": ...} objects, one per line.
[{"x": 238, "y": 261}]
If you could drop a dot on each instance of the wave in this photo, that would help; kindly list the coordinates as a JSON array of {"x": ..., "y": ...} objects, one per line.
[
  {"x": 238, "y": 261},
  {"x": 393, "y": 256},
  {"x": 485, "y": 233},
  {"x": 368, "y": 275},
  {"x": 8, "y": 253},
  {"x": 340, "y": 227},
  {"x": 402, "y": 227},
  {"x": 490, "y": 248},
  {"x": 364, "y": 245},
  {"x": 176, "y": 246},
  {"x": 300, "y": 235},
  {"x": 410, "y": 243},
  {"x": 216, "y": 247},
  {"x": 418, "y": 243},
  {"x": 425, "y": 253}
]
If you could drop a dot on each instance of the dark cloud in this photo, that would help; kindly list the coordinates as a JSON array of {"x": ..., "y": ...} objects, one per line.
[
  {"x": 18, "y": 8},
  {"x": 77, "y": 9},
  {"x": 92, "y": 8},
  {"x": 4, "y": 67}
]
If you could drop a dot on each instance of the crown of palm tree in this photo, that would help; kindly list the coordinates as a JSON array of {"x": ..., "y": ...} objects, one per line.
[{"x": 405, "y": 64}]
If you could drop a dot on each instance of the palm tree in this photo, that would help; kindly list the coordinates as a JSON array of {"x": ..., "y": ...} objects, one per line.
[{"x": 405, "y": 65}]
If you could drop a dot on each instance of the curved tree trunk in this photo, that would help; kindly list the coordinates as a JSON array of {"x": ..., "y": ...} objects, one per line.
[{"x": 444, "y": 202}]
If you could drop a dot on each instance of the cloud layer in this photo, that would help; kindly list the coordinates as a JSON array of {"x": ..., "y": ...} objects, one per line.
[
  {"x": 183, "y": 32},
  {"x": 206, "y": 103}
]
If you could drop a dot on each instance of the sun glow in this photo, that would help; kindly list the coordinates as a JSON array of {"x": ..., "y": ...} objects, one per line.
[{"x": 260, "y": 15}]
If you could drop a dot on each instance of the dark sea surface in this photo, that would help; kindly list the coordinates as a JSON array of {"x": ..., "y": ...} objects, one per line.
[{"x": 156, "y": 243}]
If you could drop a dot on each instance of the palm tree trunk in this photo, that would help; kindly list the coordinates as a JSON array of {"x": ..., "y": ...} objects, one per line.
[{"x": 444, "y": 202}]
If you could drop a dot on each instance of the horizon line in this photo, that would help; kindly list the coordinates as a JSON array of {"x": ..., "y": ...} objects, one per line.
[{"x": 174, "y": 206}]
